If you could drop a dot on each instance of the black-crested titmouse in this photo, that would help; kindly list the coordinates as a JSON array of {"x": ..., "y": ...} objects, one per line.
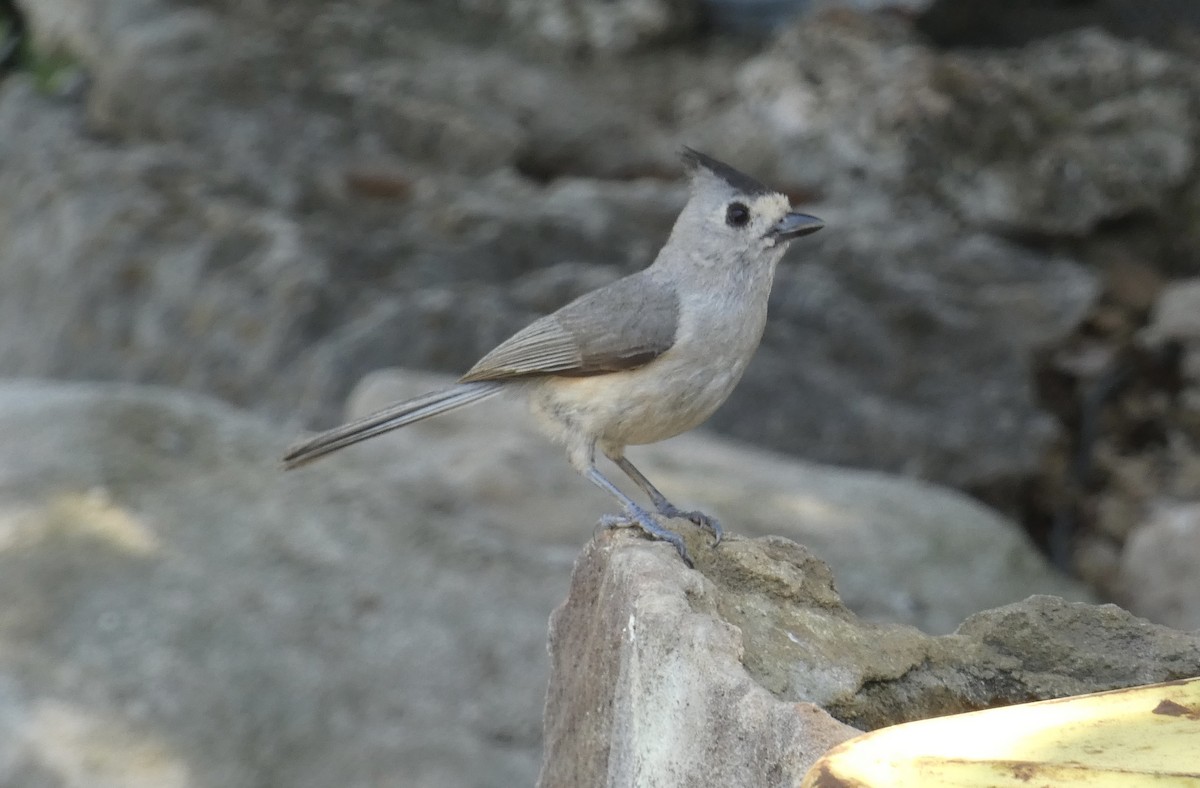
[{"x": 642, "y": 359}]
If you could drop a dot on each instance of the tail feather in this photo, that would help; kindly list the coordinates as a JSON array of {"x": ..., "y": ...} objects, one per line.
[{"x": 390, "y": 418}]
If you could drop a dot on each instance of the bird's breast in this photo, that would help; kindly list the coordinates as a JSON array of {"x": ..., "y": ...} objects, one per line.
[
  {"x": 718, "y": 330},
  {"x": 672, "y": 394}
]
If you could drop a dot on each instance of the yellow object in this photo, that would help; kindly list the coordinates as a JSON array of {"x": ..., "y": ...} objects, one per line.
[{"x": 1147, "y": 735}]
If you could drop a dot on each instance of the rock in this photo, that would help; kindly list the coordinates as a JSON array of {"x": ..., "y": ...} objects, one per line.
[
  {"x": 282, "y": 302},
  {"x": 585, "y": 26},
  {"x": 896, "y": 137},
  {"x": 902, "y": 551},
  {"x": 648, "y": 685},
  {"x": 653, "y": 664},
  {"x": 1126, "y": 387},
  {"x": 355, "y": 83},
  {"x": 1176, "y": 314},
  {"x": 1157, "y": 577},
  {"x": 188, "y": 211},
  {"x": 925, "y": 282},
  {"x": 177, "y": 611},
  {"x": 168, "y": 591},
  {"x": 1041, "y": 648},
  {"x": 1155, "y": 571},
  {"x": 1114, "y": 158},
  {"x": 1051, "y": 140},
  {"x": 178, "y": 255}
]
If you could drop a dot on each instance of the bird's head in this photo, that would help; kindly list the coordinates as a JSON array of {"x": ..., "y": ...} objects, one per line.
[{"x": 730, "y": 211}]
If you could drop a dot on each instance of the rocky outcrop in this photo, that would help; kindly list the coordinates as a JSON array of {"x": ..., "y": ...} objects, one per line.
[
  {"x": 736, "y": 672},
  {"x": 648, "y": 684}
]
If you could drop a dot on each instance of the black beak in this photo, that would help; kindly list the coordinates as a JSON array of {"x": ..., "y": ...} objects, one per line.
[{"x": 794, "y": 225}]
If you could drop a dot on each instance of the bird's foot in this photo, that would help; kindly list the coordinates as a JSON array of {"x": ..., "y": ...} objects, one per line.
[
  {"x": 639, "y": 517},
  {"x": 707, "y": 522}
]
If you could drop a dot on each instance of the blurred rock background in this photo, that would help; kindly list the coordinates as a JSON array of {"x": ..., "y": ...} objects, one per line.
[{"x": 263, "y": 201}]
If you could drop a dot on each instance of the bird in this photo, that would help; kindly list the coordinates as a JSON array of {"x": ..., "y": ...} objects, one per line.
[{"x": 642, "y": 359}]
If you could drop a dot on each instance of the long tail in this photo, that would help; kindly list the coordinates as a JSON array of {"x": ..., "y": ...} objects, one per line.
[{"x": 390, "y": 418}]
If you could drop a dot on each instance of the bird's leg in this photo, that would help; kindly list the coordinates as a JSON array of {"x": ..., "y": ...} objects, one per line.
[
  {"x": 635, "y": 515},
  {"x": 665, "y": 507}
]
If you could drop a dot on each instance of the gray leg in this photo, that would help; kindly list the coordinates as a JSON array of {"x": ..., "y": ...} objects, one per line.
[
  {"x": 635, "y": 515},
  {"x": 665, "y": 507}
]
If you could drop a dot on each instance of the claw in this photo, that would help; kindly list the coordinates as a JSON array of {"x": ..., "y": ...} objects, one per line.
[
  {"x": 705, "y": 521},
  {"x": 636, "y": 516}
]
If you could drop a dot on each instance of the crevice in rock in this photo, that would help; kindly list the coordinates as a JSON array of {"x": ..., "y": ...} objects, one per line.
[
  {"x": 1127, "y": 433},
  {"x": 12, "y": 36},
  {"x": 1007, "y": 24}
]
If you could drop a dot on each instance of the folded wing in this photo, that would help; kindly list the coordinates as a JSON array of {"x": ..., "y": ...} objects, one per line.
[{"x": 622, "y": 326}]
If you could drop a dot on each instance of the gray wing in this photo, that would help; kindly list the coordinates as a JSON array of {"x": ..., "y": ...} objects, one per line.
[{"x": 621, "y": 326}]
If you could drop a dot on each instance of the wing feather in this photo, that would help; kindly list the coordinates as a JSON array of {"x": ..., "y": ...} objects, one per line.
[
  {"x": 542, "y": 347},
  {"x": 622, "y": 326}
]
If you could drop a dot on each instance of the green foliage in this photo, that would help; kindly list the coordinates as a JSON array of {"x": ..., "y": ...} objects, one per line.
[{"x": 52, "y": 70}]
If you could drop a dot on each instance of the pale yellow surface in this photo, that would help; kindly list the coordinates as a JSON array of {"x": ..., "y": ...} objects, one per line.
[{"x": 1140, "y": 736}]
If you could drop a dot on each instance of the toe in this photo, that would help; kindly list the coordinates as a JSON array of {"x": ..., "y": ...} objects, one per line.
[{"x": 708, "y": 523}]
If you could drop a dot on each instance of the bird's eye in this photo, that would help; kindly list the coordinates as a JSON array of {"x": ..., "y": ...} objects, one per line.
[{"x": 737, "y": 214}]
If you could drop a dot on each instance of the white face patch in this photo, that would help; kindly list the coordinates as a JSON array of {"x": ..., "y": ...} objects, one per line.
[{"x": 764, "y": 212}]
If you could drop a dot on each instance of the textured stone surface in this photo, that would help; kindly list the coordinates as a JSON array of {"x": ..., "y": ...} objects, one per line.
[
  {"x": 585, "y": 26},
  {"x": 1052, "y": 139},
  {"x": 1176, "y": 315},
  {"x": 177, "y": 612},
  {"x": 648, "y": 685},
  {"x": 653, "y": 664}
]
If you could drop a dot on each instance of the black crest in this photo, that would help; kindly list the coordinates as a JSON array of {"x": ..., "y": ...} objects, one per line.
[{"x": 692, "y": 159}]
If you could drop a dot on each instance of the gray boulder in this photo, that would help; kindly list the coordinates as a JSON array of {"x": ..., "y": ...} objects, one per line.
[
  {"x": 1157, "y": 574},
  {"x": 179, "y": 612}
]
